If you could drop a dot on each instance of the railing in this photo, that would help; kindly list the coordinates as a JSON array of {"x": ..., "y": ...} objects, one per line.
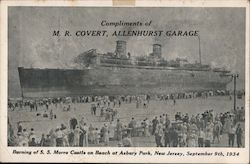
[{"x": 115, "y": 61}]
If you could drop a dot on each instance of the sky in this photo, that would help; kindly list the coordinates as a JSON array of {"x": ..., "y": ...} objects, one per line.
[{"x": 31, "y": 44}]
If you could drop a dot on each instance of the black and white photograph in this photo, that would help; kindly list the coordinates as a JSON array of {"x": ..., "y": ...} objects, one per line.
[{"x": 126, "y": 77}]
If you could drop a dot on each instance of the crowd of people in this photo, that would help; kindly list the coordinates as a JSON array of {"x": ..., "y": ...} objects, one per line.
[
  {"x": 195, "y": 131},
  {"x": 44, "y": 103},
  {"x": 201, "y": 130}
]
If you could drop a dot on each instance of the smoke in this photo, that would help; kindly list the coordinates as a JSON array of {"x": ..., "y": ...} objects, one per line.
[
  {"x": 214, "y": 64},
  {"x": 53, "y": 54},
  {"x": 173, "y": 56}
]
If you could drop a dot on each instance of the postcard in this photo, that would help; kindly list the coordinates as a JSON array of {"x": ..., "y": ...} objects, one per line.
[{"x": 131, "y": 81}]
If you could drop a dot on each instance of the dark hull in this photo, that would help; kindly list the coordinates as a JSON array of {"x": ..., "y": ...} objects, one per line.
[{"x": 116, "y": 81}]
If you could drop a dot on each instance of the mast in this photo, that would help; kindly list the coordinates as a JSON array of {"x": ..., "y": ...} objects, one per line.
[
  {"x": 199, "y": 48},
  {"x": 58, "y": 38},
  {"x": 20, "y": 81},
  {"x": 235, "y": 76}
]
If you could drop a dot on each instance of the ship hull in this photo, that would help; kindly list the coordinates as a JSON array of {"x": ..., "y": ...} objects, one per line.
[{"x": 116, "y": 81}]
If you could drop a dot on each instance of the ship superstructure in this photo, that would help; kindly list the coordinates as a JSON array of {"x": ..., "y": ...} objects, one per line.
[{"x": 121, "y": 73}]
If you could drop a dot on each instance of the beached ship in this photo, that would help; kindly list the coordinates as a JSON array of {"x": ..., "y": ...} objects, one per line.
[{"x": 120, "y": 73}]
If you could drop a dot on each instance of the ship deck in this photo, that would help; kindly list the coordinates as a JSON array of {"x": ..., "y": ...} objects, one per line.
[{"x": 155, "y": 67}]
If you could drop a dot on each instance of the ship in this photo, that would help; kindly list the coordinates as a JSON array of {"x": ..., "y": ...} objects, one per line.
[{"x": 120, "y": 73}]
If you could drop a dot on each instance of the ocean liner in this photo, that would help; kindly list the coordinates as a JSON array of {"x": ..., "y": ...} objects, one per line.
[{"x": 120, "y": 73}]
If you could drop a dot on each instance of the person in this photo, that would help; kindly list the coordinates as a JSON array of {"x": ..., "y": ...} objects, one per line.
[
  {"x": 148, "y": 98},
  {"x": 201, "y": 137},
  {"x": 158, "y": 135},
  {"x": 192, "y": 119},
  {"x": 68, "y": 108},
  {"x": 166, "y": 137},
  {"x": 65, "y": 135},
  {"x": 114, "y": 103},
  {"x": 164, "y": 119},
  {"x": 174, "y": 101},
  {"x": 193, "y": 127},
  {"x": 25, "y": 134},
  {"x": 91, "y": 134},
  {"x": 183, "y": 138},
  {"x": 192, "y": 139},
  {"x": 161, "y": 119},
  {"x": 36, "y": 106},
  {"x": 21, "y": 140},
  {"x": 47, "y": 141},
  {"x": 208, "y": 137},
  {"x": 77, "y": 132},
  {"x": 85, "y": 133},
  {"x": 145, "y": 105},
  {"x": 174, "y": 137},
  {"x": 102, "y": 134},
  {"x": 217, "y": 130},
  {"x": 53, "y": 137},
  {"x": 119, "y": 103},
  {"x": 143, "y": 126},
  {"x": 102, "y": 112},
  {"x": 94, "y": 109},
  {"x": 239, "y": 133},
  {"x": 59, "y": 137},
  {"x": 73, "y": 122},
  {"x": 105, "y": 135},
  {"x": 71, "y": 137},
  {"x": 19, "y": 127},
  {"x": 81, "y": 122},
  {"x": 177, "y": 116},
  {"x": 31, "y": 106},
  {"x": 32, "y": 142},
  {"x": 231, "y": 136},
  {"x": 186, "y": 118},
  {"x": 140, "y": 129},
  {"x": 167, "y": 121},
  {"x": 155, "y": 122},
  {"x": 107, "y": 115},
  {"x": 146, "y": 129},
  {"x": 111, "y": 129},
  {"x": 32, "y": 134},
  {"x": 47, "y": 105},
  {"x": 137, "y": 104},
  {"x": 126, "y": 141},
  {"x": 132, "y": 125},
  {"x": 51, "y": 114},
  {"x": 45, "y": 115},
  {"x": 42, "y": 141},
  {"x": 96, "y": 136},
  {"x": 119, "y": 130},
  {"x": 227, "y": 124}
]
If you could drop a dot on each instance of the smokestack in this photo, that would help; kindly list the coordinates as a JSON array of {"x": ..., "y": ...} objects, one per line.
[
  {"x": 157, "y": 50},
  {"x": 121, "y": 48}
]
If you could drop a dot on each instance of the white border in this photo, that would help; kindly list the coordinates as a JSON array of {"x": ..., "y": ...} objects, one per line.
[{"x": 6, "y": 152}]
